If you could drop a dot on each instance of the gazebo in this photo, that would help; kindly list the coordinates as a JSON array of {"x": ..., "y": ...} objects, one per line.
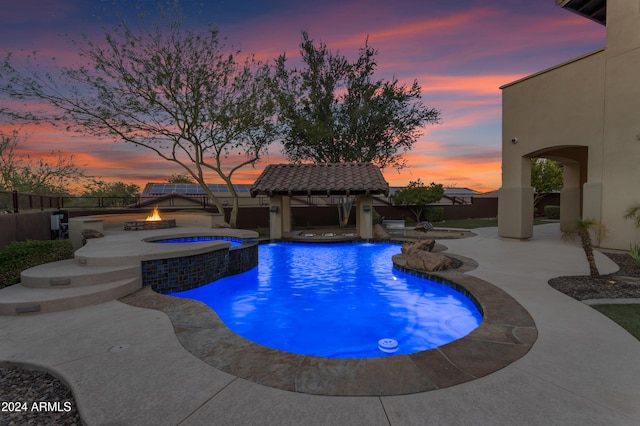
[{"x": 282, "y": 181}]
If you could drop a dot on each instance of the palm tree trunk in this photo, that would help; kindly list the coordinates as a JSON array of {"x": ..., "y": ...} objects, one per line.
[{"x": 588, "y": 250}]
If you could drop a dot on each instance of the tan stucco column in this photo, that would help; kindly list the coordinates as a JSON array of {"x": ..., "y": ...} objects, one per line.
[
  {"x": 286, "y": 214},
  {"x": 515, "y": 199},
  {"x": 364, "y": 217},
  {"x": 515, "y": 212},
  {"x": 570, "y": 196},
  {"x": 275, "y": 217},
  {"x": 279, "y": 216}
]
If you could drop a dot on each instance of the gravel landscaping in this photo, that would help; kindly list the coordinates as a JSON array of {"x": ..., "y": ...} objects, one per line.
[
  {"x": 31, "y": 397},
  {"x": 623, "y": 284}
]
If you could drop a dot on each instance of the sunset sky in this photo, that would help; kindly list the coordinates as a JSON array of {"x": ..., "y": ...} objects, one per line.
[{"x": 461, "y": 52}]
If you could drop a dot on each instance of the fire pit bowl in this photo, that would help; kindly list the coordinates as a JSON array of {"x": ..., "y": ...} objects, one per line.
[
  {"x": 153, "y": 221},
  {"x": 146, "y": 225}
]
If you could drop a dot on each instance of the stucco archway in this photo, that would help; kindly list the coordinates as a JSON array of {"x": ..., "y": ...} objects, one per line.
[
  {"x": 515, "y": 209},
  {"x": 574, "y": 160}
]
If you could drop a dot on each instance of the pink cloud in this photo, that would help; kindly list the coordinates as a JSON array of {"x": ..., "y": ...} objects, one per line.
[{"x": 460, "y": 58}]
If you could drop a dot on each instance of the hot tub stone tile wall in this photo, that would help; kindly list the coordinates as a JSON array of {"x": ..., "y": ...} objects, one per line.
[
  {"x": 184, "y": 273},
  {"x": 242, "y": 259}
]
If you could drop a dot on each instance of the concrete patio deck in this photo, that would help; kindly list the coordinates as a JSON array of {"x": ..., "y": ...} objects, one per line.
[{"x": 125, "y": 364}]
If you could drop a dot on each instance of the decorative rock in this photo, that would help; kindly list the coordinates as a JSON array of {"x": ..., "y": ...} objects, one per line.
[
  {"x": 424, "y": 227},
  {"x": 430, "y": 262},
  {"x": 424, "y": 245},
  {"x": 90, "y": 233},
  {"x": 379, "y": 233}
]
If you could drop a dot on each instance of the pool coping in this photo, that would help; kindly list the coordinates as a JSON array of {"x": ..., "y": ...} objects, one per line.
[{"x": 506, "y": 334}]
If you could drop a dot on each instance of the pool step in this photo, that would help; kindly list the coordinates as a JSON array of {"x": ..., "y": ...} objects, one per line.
[
  {"x": 70, "y": 274},
  {"x": 21, "y": 300}
]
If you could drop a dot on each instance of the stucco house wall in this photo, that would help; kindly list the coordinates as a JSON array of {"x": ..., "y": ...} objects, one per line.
[{"x": 585, "y": 114}]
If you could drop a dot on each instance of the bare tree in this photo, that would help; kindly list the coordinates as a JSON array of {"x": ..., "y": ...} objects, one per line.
[
  {"x": 177, "y": 92},
  {"x": 36, "y": 176}
]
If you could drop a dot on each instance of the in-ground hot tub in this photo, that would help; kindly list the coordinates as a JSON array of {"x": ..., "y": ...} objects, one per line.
[
  {"x": 198, "y": 239},
  {"x": 218, "y": 257}
]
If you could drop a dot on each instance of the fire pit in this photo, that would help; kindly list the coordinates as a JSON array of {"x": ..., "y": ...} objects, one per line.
[{"x": 153, "y": 221}]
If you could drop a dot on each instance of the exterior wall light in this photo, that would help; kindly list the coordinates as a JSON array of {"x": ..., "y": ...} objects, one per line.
[{"x": 514, "y": 140}]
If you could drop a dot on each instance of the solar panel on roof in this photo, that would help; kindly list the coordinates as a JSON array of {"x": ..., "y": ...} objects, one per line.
[
  {"x": 193, "y": 188},
  {"x": 157, "y": 189}
]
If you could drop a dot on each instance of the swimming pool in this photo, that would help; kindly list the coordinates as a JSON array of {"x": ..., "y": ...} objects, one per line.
[{"x": 337, "y": 301}]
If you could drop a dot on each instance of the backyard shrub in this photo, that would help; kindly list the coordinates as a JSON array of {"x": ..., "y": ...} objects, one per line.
[
  {"x": 552, "y": 212},
  {"x": 18, "y": 256},
  {"x": 434, "y": 214}
]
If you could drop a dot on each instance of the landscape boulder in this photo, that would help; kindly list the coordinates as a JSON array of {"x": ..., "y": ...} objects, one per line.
[
  {"x": 221, "y": 225},
  {"x": 379, "y": 233},
  {"x": 427, "y": 261},
  {"x": 424, "y": 227},
  {"x": 419, "y": 256},
  {"x": 90, "y": 233},
  {"x": 424, "y": 245}
]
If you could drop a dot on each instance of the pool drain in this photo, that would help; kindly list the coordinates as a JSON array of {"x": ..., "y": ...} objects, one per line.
[
  {"x": 119, "y": 348},
  {"x": 387, "y": 345}
]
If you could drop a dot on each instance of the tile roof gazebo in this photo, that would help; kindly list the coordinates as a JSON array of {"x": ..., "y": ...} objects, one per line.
[{"x": 282, "y": 181}]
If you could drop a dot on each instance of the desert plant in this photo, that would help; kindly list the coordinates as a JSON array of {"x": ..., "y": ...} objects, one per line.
[
  {"x": 635, "y": 253},
  {"x": 633, "y": 213},
  {"x": 582, "y": 228}
]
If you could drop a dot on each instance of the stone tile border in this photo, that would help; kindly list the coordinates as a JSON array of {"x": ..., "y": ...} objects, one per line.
[
  {"x": 179, "y": 273},
  {"x": 506, "y": 333}
]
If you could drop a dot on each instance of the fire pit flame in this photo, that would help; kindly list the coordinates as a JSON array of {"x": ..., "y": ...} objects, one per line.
[
  {"x": 153, "y": 221},
  {"x": 154, "y": 216}
]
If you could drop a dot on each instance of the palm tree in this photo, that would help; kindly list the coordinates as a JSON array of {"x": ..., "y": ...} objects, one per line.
[
  {"x": 633, "y": 213},
  {"x": 582, "y": 228}
]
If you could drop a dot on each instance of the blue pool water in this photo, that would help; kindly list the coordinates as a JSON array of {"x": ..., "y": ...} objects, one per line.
[
  {"x": 337, "y": 300},
  {"x": 234, "y": 242}
]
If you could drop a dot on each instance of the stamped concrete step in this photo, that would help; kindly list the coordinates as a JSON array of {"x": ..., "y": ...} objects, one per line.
[
  {"x": 21, "y": 300},
  {"x": 69, "y": 274}
]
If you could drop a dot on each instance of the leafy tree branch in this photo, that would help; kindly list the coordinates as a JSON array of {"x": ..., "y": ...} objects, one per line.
[{"x": 335, "y": 111}]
